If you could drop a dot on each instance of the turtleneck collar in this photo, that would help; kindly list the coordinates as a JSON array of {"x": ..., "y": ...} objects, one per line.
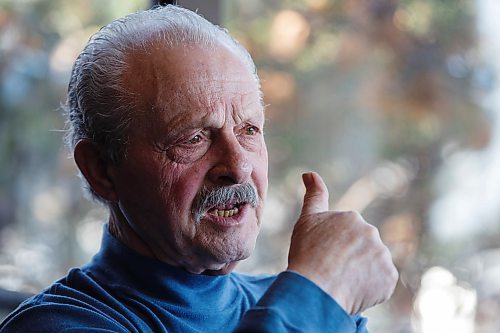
[{"x": 116, "y": 264}]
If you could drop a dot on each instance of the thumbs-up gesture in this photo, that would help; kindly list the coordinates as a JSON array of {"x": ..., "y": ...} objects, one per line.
[{"x": 340, "y": 252}]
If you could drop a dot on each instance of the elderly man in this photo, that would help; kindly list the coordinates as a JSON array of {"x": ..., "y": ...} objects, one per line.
[{"x": 166, "y": 127}]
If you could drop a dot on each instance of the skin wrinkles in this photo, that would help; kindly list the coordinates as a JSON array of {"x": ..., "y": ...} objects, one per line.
[
  {"x": 207, "y": 109},
  {"x": 209, "y": 122},
  {"x": 165, "y": 170},
  {"x": 195, "y": 121}
]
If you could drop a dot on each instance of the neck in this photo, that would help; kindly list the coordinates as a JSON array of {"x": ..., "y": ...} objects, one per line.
[{"x": 121, "y": 230}]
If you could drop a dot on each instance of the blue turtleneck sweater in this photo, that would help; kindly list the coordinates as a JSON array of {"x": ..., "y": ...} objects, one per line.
[{"x": 123, "y": 291}]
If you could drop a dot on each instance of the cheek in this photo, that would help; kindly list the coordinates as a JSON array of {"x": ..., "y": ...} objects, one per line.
[
  {"x": 263, "y": 160},
  {"x": 186, "y": 186},
  {"x": 261, "y": 171}
]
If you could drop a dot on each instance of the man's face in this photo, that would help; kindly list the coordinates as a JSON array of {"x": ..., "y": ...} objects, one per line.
[{"x": 204, "y": 131}]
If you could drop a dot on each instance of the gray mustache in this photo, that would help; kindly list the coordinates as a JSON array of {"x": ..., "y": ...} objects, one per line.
[{"x": 211, "y": 197}]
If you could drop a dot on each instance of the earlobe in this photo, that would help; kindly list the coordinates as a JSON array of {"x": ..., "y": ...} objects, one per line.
[{"x": 92, "y": 163}]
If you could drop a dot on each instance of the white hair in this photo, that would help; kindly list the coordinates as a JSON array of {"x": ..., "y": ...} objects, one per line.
[{"x": 98, "y": 106}]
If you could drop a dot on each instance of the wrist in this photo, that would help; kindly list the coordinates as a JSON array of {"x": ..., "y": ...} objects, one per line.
[{"x": 324, "y": 284}]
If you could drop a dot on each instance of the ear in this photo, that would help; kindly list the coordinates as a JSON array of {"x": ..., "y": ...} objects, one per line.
[{"x": 91, "y": 161}]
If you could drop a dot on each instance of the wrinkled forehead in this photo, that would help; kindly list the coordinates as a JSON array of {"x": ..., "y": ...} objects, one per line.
[
  {"x": 191, "y": 77},
  {"x": 210, "y": 93}
]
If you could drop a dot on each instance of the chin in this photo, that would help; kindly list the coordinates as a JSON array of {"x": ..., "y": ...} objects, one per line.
[{"x": 224, "y": 260}]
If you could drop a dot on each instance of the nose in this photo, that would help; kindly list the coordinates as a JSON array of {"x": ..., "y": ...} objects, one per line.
[{"x": 231, "y": 162}]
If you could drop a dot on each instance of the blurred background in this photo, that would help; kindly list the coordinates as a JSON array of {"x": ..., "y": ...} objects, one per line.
[{"x": 395, "y": 103}]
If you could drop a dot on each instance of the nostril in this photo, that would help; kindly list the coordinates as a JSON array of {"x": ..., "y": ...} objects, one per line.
[
  {"x": 227, "y": 180},
  {"x": 231, "y": 166}
]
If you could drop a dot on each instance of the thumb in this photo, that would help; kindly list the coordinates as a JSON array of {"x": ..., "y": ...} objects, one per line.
[{"x": 316, "y": 196}]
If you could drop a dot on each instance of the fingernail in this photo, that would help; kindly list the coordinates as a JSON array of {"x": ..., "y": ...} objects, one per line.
[{"x": 307, "y": 177}]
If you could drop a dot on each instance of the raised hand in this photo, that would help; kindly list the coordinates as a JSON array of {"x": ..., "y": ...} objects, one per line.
[{"x": 340, "y": 252}]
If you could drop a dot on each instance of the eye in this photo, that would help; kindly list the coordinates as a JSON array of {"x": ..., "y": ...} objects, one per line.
[
  {"x": 251, "y": 130},
  {"x": 195, "y": 139}
]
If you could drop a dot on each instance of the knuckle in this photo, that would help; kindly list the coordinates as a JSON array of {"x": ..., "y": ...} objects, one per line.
[
  {"x": 374, "y": 231},
  {"x": 350, "y": 218},
  {"x": 353, "y": 215},
  {"x": 387, "y": 254},
  {"x": 348, "y": 215},
  {"x": 395, "y": 274},
  {"x": 371, "y": 232},
  {"x": 392, "y": 275}
]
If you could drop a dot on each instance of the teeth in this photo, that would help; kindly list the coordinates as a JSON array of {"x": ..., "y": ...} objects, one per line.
[{"x": 226, "y": 212}]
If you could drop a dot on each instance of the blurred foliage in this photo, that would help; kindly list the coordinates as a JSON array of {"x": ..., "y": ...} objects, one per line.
[
  {"x": 376, "y": 96},
  {"x": 41, "y": 205}
]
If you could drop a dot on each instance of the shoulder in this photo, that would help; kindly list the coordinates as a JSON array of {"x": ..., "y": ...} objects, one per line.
[
  {"x": 50, "y": 313},
  {"x": 74, "y": 301}
]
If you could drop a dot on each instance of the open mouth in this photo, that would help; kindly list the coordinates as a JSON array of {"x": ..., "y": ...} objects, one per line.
[
  {"x": 225, "y": 210},
  {"x": 225, "y": 205}
]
